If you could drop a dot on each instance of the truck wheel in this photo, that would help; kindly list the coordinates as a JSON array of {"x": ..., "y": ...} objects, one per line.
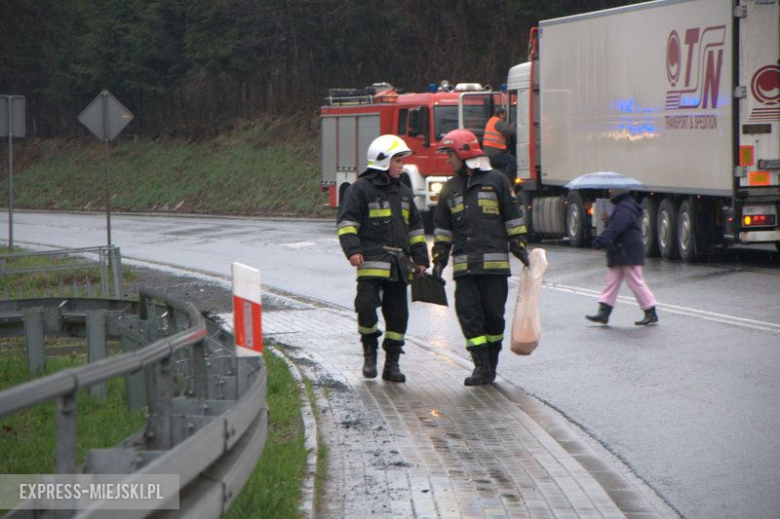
[
  {"x": 692, "y": 237},
  {"x": 576, "y": 221},
  {"x": 526, "y": 201},
  {"x": 667, "y": 229},
  {"x": 649, "y": 226}
]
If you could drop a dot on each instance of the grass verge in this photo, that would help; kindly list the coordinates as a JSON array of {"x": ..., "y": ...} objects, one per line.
[
  {"x": 274, "y": 488},
  {"x": 27, "y": 439}
]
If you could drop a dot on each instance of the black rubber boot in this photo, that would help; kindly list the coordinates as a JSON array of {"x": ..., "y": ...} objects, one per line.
[
  {"x": 494, "y": 348},
  {"x": 603, "y": 314},
  {"x": 650, "y": 317},
  {"x": 482, "y": 373},
  {"x": 392, "y": 371},
  {"x": 369, "y": 360}
]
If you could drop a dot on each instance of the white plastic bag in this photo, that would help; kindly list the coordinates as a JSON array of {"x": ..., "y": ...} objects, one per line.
[{"x": 527, "y": 324}]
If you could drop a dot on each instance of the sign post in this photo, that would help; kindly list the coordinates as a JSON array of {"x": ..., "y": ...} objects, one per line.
[
  {"x": 11, "y": 125},
  {"x": 247, "y": 309},
  {"x": 105, "y": 117}
]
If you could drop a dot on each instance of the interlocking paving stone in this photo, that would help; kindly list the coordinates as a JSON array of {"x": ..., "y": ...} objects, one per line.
[{"x": 433, "y": 448}]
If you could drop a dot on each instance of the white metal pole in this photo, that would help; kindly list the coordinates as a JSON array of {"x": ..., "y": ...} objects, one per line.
[
  {"x": 108, "y": 192},
  {"x": 10, "y": 177}
]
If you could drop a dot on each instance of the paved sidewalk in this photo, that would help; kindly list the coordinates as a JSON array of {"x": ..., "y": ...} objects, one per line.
[{"x": 432, "y": 447}]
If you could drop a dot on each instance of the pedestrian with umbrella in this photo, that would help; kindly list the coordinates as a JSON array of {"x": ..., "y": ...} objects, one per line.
[{"x": 622, "y": 240}]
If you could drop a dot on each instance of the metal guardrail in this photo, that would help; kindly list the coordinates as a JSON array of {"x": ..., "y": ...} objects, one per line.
[
  {"x": 108, "y": 261},
  {"x": 207, "y": 416}
]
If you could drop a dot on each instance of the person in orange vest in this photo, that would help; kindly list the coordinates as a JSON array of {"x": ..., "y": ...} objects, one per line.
[{"x": 494, "y": 144}]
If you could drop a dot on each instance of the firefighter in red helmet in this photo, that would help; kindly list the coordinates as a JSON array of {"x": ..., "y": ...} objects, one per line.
[
  {"x": 378, "y": 210},
  {"x": 478, "y": 220}
]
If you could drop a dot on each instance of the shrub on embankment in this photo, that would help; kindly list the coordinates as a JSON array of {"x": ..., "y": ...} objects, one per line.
[{"x": 264, "y": 167}]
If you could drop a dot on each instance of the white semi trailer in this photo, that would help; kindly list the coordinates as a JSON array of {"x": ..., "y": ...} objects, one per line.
[{"x": 683, "y": 95}]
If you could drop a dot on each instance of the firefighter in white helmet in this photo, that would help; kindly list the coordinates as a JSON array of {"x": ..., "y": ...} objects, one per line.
[{"x": 378, "y": 210}]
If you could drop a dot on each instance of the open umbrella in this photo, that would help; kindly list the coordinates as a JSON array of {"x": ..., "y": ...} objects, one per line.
[{"x": 604, "y": 180}]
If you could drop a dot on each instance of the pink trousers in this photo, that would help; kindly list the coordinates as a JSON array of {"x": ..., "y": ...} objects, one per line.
[{"x": 635, "y": 281}]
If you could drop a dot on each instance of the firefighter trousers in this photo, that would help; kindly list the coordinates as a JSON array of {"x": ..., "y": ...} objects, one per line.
[
  {"x": 391, "y": 296},
  {"x": 479, "y": 302}
]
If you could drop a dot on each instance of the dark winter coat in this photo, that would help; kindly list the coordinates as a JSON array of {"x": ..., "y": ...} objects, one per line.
[
  {"x": 622, "y": 237},
  {"x": 378, "y": 211}
]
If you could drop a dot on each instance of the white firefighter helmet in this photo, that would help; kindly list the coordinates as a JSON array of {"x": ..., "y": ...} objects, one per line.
[{"x": 383, "y": 149}]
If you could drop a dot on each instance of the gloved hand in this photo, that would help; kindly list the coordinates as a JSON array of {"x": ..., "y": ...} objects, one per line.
[
  {"x": 522, "y": 255},
  {"x": 520, "y": 252},
  {"x": 437, "y": 270}
]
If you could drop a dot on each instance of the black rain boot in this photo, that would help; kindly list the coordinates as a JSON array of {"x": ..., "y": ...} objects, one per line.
[
  {"x": 392, "y": 371},
  {"x": 650, "y": 317},
  {"x": 494, "y": 348},
  {"x": 602, "y": 316},
  {"x": 369, "y": 360},
  {"x": 482, "y": 373}
]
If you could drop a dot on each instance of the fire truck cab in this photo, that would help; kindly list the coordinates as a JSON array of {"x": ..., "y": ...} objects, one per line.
[{"x": 352, "y": 118}]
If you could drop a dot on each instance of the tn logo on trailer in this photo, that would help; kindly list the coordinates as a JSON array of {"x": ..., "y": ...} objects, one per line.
[
  {"x": 765, "y": 88},
  {"x": 693, "y": 67}
]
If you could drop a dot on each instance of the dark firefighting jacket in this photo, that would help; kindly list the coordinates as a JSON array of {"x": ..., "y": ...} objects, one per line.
[
  {"x": 378, "y": 211},
  {"x": 476, "y": 218}
]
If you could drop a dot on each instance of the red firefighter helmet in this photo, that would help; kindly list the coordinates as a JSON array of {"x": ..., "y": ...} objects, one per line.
[{"x": 464, "y": 143}]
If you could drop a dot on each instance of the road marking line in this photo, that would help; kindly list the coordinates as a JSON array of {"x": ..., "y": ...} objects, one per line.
[
  {"x": 298, "y": 245},
  {"x": 676, "y": 309}
]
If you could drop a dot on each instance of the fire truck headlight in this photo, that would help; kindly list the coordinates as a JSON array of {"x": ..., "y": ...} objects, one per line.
[{"x": 436, "y": 187}]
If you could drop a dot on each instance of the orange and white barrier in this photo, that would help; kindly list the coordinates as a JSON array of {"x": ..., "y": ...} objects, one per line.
[{"x": 247, "y": 308}]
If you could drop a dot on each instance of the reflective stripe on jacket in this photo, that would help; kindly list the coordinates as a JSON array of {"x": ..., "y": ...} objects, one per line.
[
  {"x": 475, "y": 219},
  {"x": 378, "y": 211}
]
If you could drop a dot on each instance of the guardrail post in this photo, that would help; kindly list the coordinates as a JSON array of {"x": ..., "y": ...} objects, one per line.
[
  {"x": 34, "y": 336},
  {"x": 116, "y": 267},
  {"x": 151, "y": 334},
  {"x": 135, "y": 385},
  {"x": 147, "y": 312},
  {"x": 199, "y": 372},
  {"x": 161, "y": 426},
  {"x": 144, "y": 302},
  {"x": 104, "y": 259},
  {"x": 96, "y": 347},
  {"x": 173, "y": 319},
  {"x": 67, "y": 407}
]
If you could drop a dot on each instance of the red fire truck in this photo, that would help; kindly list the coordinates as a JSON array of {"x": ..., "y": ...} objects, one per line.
[{"x": 352, "y": 118}]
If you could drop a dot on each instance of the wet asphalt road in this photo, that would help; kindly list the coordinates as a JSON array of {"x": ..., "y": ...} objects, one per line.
[{"x": 691, "y": 405}]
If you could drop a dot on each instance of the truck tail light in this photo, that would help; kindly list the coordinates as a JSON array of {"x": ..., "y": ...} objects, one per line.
[{"x": 758, "y": 220}]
